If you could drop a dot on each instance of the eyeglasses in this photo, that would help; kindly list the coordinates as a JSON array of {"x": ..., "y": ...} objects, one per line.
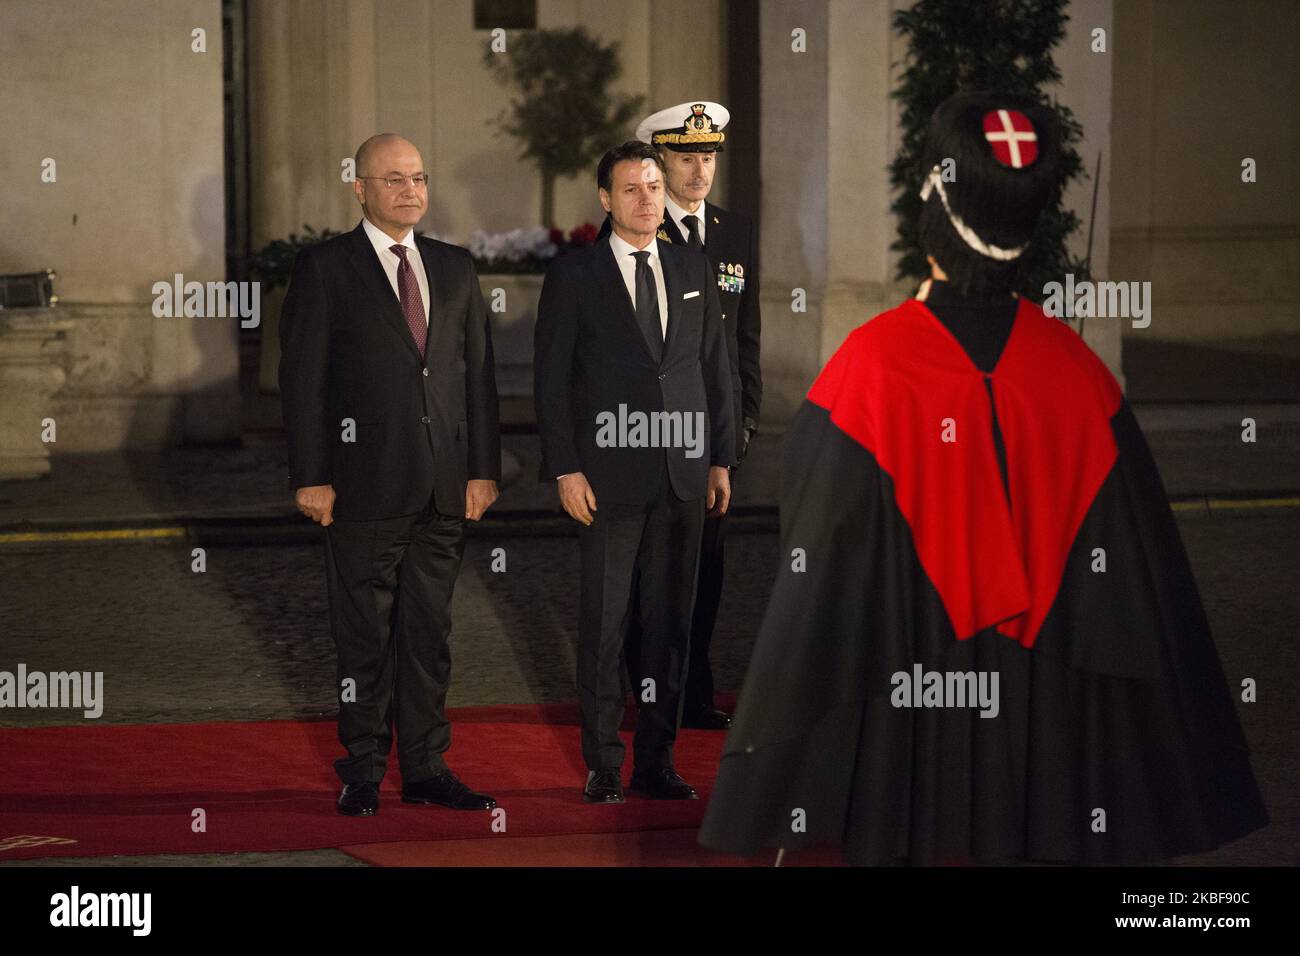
[{"x": 420, "y": 180}]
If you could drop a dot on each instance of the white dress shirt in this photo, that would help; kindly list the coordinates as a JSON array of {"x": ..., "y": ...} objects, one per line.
[
  {"x": 677, "y": 212},
  {"x": 623, "y": 255},
  {"x": 390, "y": 261}
]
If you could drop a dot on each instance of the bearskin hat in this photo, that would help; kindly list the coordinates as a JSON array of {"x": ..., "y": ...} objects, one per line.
[{"x": 990, "y": 171}]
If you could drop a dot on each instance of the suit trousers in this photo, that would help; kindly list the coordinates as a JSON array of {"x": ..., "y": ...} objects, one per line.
[
  {"x": 390, "y": 590},
  {"x": 638, "y": 561},
  {"x": 708, "y": 595}
]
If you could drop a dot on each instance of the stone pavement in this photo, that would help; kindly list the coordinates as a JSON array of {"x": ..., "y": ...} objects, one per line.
[{"x": 242, "y": 489}]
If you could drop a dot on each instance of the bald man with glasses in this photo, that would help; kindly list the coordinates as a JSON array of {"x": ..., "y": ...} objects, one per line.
[{"x": 390, "y": 412}]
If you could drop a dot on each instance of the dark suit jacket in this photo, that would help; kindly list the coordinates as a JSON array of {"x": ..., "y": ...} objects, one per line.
[
  {"x": 731, "y": 240},
  {"x": 590, "y": 356},
  {"x": 422, "y": 425}
]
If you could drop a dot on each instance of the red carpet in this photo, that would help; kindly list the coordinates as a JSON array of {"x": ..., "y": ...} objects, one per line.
[{"x": 270, "y": 785}]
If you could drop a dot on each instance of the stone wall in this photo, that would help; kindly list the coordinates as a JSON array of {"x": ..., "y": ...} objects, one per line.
[
  {"x": 131, "y": 117},
  {"x": 325, "y": 74},
  {"x": 1201, "y": 85}
]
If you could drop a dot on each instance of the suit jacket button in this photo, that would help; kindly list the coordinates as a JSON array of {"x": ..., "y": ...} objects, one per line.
[
  {"x": 425, "y": 419},
  {"x": 661, "y": 377},
  {"x": 425, "y": 371}
]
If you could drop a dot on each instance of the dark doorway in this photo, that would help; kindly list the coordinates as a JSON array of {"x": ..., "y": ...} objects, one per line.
[
  {"x": 234, "y": 84},
  {"x": 743, "y": 100}
]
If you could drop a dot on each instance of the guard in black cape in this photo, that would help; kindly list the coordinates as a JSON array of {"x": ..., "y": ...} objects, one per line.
[
  {"x": 984, "y": 640},
  {"x": 689, "y": 137}
]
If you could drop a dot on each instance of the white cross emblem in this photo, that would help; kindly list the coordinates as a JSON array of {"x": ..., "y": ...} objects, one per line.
[{"x": 1012, "y": 137}]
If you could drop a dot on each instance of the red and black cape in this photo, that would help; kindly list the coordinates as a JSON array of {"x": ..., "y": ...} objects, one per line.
[{"x": 939, "y": 515}]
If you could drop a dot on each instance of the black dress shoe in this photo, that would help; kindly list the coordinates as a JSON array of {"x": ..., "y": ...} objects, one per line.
[
  {"x": 359, "y": 799},
  {"x": 603, "y": 786},
  {"x": 707, "y": 720},
  {"x": 662, "y": 783},
  {"x": 446, "y": 790}
]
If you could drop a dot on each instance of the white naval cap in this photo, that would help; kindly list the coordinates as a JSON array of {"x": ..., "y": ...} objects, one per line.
[{"x": 694, "y": 127}]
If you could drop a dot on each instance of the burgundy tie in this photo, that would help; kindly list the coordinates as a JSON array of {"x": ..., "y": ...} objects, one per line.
[{"x": 412, "y": 306}]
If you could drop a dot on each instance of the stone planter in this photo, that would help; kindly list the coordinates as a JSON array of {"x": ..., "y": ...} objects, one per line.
[
  {"x": 268, "y": 368},
  {"x": 512, "y": 328},
  {"x": 137, "y": 380},
  {"x": 33, "y": 348}
]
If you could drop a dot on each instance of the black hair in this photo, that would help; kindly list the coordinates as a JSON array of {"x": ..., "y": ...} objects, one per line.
[{"x": 632, "y": 149}]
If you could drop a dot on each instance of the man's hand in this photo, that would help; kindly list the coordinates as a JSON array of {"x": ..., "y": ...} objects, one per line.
[
  {"x": 577, "y": 497},
  {"x": 479, "y": 495},
  {"x": 317, "y": 503},
  {"x": 719, "y": 491}
]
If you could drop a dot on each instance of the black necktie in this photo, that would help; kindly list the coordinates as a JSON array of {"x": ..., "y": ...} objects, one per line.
[
  {"x": 647, "y": 304},
  {"x": 693, "y": 227}
]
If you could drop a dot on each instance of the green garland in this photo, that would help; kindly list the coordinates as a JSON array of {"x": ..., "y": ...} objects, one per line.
[{"x": 273, "y": 263}]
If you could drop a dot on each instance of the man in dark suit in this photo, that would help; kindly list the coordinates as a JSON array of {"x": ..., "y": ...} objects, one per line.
[
  {"x": 689, "y": 136},
  {"x": 390, "y": 410},
  {"x": 634, "y": 409}
]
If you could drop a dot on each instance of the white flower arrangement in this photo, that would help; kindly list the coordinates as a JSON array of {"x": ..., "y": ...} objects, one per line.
[
  {"x": 524, "y": 250},
  {"x": 513, "y": 246}
]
